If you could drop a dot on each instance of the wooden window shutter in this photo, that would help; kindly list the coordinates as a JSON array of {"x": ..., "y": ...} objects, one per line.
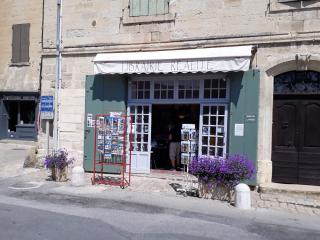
[
  {"x": 134, "y": 8},
  {"x": 16, "y": 43},
  {"x": 162, "y": 6},
  {"x": 25, "y": 42},
  {"x": 144, "y": 7},
  {"x": 20, "y": 43},
  {"x": 148, "y": 7},
  {"x": 289, "y": 1}
]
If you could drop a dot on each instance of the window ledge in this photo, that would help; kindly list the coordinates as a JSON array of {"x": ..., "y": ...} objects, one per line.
[
  {"x": 20, "y": 64},
  {"x": 169, "y": 17}
]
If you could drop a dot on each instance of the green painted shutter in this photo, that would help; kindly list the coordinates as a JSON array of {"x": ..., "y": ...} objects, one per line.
[
  {"x": 144, "y": 8},
  {"x": 134, "y": 8},
  {"x": 162, "y": 6},
  {"x": 244, "y": 107},
  {"x": 290, "y": 1},
  {"x": 153, "y": 7},
  {"x": 148, "y": 7},
  {"x": 104, "y": 94}
]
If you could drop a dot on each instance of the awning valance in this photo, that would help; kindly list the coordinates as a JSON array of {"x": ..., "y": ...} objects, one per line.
[{"x": 223, "y": 59}]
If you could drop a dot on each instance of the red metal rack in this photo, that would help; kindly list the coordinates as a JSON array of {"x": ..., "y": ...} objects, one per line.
[{"x": 111, "y": 151}]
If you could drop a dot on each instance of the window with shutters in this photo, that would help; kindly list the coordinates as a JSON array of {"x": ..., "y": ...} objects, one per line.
[
  {"x": 20, "y": 43},
  {"x": 279, "y": 6},
  {"x": 148, "y": 7},
  {"x": 283, "y": 1}
]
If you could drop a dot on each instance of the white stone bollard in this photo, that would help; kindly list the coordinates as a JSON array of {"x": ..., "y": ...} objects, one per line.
[
  {"x": 77, "y": 178},
  {"x": 242, "y": 196}
]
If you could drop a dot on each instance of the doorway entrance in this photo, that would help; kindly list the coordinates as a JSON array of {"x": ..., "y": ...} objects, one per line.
[
  {"x": 165, "y": 119},
  {"x": 296, "y": 130},
  {"x": 156, "y": 102},
  {"x": 18, "y": 119}
]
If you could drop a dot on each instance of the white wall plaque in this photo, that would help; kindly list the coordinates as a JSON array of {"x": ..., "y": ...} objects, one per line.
[{"x": 239, "y": 129}]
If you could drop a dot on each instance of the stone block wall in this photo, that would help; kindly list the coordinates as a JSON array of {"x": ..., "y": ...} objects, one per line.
[
  {"x": 13, "y": 77},
  {"x": 294, "y": 199},
  {"x": 93, "y": 23},
  {"x": 282, "y": 33},
  {"x": 72, "y": 99}
]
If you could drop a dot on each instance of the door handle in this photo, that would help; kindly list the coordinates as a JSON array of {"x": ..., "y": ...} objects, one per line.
[{"x": 86, "y": 132}]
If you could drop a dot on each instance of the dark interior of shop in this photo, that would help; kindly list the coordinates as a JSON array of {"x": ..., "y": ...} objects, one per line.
[
  {"x": 20, "y": 112},
  {"x": 164, "y": 117}
]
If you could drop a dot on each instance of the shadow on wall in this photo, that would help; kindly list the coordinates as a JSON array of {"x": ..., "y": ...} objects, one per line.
[
  {"x": 236, "y": 87},
  {"x": 109, "y": 88}
]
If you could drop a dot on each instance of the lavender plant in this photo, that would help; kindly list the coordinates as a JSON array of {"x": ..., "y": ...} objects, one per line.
[
  {"x": 58, "y": 159},
  {"x": 228, "y": 171}
]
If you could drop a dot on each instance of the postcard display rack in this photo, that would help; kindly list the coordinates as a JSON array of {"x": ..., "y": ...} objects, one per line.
[
  {"x": 189, "y": 139},
  {"x": 110, "y": 149}
]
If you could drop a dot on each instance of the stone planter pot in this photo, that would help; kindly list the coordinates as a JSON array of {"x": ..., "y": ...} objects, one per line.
[
  {"x": 212, "y": 190},
  {"x": 59, "y": 175}
]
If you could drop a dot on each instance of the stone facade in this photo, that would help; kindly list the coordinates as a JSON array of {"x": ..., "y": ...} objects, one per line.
[
  {"x": 286, "y": 35},
  {"x": 292, "y": 198},
  {"x": 13, "y": 77}
]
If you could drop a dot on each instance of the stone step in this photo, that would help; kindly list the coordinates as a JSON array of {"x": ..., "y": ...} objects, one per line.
[{"x": 296, "y": 198}]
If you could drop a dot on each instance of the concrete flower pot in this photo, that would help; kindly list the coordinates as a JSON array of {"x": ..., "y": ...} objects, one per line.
[
  {"x": 59, "y": 175},
  {"x": 212, "y": 190}
]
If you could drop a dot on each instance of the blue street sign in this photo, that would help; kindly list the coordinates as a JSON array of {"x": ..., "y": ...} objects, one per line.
[{"x": 46, "y": 107}]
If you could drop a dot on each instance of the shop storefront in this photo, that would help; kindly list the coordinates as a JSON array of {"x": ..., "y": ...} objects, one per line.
[
  {"x": 212, "y": 88},
  {"x": 18, "y": 114}
]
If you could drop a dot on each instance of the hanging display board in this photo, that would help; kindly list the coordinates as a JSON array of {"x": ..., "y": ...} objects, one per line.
[
  {"x": 189, "y": 145},
  {"x": 111, "y": 148}
]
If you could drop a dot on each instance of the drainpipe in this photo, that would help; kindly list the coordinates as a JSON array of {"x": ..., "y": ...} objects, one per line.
[{"x": 56, "y": 128}]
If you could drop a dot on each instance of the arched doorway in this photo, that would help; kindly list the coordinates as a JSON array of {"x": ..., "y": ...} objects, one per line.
[{"x": 296, "y": 128}]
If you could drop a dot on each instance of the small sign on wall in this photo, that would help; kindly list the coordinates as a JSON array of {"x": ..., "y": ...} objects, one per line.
[
  {"x": 251, "y": 118},
  {"x": 239, "y": 129},
  {"x": 90, "y": 122},
  {"x": 46, "y": 107}
]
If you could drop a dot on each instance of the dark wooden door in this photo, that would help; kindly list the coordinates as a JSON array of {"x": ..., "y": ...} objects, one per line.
[
  {"x": 309, "y": 143},
  {"x": 3, "y": 121},
  {"x": 296, "y": 141},
  {"x": 285, "y": 141}
]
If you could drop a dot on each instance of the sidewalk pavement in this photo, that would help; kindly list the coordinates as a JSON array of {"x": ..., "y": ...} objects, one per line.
[
  {"x": 12, "y": 158},
  {"x": 152, "y": 192}
]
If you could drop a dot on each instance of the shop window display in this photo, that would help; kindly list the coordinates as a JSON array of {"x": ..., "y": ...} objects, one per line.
[
  {"x": 215, "y": 88},
  {"x": 140, "y": 89},
  {"x": 163, "y": 89},
  {"x": 213, "y": 130},
  {"x": 189, "y": 89}
]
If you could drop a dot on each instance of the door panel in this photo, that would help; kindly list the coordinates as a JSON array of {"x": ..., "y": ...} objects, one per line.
[
  {"x": 3, "y": 121},
  {"x": 310, "y": 136},
  {"x": 309, "y": 159},
  {"x": 141, "y": 137},
  {"x": 296, "y": 142},
  {"x": 104, "y": 94},
  {"x": 285, "y": 144}
]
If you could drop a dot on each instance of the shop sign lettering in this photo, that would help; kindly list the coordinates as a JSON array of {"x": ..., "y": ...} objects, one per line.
[{"x": 169, "y": 66}]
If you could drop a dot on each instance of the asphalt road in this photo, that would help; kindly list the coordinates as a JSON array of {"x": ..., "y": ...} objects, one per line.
[
  {"x": 41, "y": 214},
  {"x": 32, "y": 220}
]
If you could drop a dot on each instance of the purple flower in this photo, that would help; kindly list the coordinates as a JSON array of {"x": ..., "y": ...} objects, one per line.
[
  {"x": 58, "y": 159},
  {"x": 227, "y": 171}
]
